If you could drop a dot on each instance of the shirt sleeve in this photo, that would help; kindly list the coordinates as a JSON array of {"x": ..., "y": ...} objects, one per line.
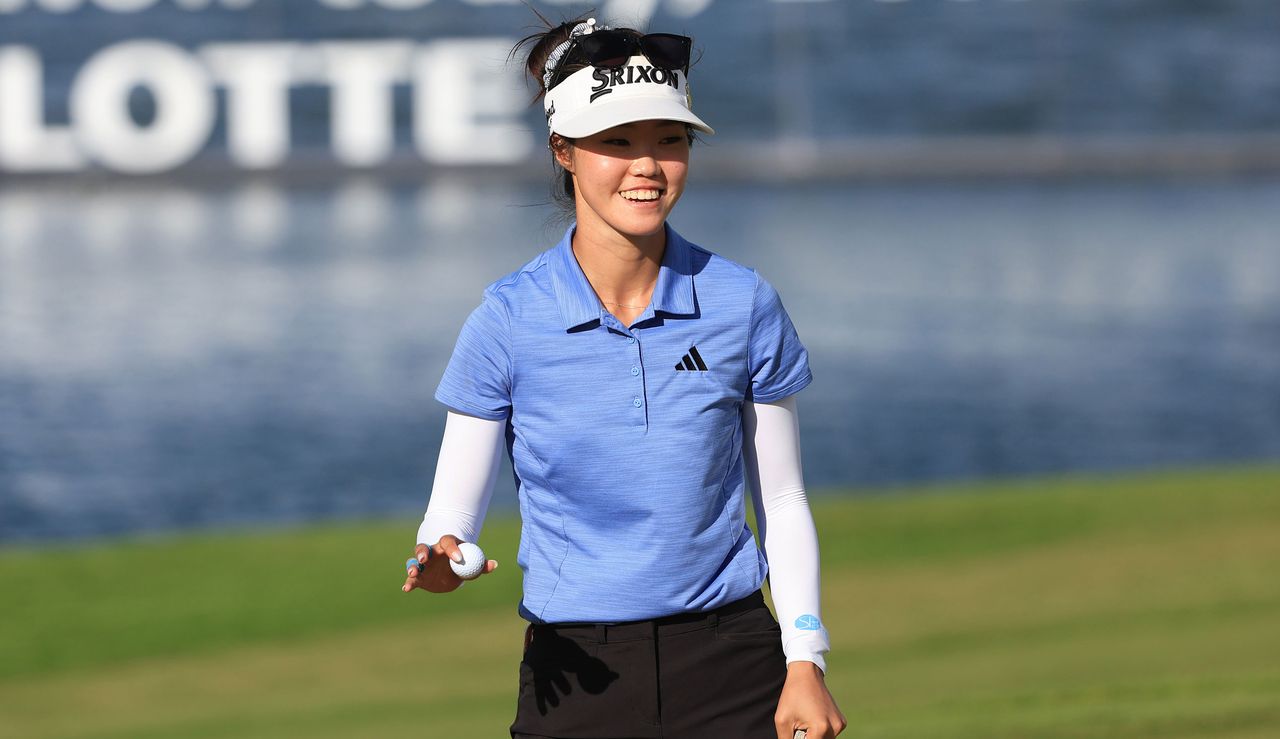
[
  {"x": 778, "y": 362},
  {"x": 477, "y": 380}
]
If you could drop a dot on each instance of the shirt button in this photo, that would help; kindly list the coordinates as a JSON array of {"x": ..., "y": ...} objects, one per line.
[
  {"x": 631, "y": 339},
  {"x": 636, "y": 402},
  {"x": 635, "y": 371}
]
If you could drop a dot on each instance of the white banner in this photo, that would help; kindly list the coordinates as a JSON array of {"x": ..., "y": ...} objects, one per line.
[{"x": 468, "y": 106}]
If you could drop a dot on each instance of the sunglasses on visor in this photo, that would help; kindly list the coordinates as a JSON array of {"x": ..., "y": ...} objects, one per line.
[{"x": 610, "y": 48}]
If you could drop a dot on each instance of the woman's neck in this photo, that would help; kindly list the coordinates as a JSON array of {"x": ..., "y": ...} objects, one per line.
[{"x": 622, "y": 270}]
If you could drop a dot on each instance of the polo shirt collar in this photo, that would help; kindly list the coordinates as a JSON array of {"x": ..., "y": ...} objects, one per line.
[
  {"x": 577, "y": 301},
  {"x": 673, "y": 293}
]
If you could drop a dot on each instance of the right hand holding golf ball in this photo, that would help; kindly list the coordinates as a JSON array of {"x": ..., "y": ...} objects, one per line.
[{"x": 427, "y": 569}]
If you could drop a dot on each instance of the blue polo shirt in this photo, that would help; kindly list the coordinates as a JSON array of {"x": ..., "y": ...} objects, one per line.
[{"x": 626, "y": 441}]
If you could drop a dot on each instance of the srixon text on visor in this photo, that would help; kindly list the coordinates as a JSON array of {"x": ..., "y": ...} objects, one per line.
[{"x": 609, "y": 78}]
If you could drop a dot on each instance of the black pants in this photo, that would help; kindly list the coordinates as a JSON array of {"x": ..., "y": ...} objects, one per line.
[{"x": 693, "y": 675}]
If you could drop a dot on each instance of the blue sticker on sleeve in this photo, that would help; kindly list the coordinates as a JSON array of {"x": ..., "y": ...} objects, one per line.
[{"x": 808, "y": 623}]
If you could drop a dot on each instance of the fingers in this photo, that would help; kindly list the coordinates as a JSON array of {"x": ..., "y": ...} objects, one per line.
[
  {"x": 423, "y": 572},
  {"x": 795, "y": 727},
  {"x": 448, "y": 547},
  {"x": 413, "y": 566},
  {"x": 814, "y": 730}
]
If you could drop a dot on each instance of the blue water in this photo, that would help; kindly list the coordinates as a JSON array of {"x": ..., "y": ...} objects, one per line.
[{"x": 174, "y": 356}]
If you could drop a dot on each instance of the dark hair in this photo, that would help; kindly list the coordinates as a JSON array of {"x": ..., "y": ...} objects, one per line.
[{"x": 541, "y": 43}]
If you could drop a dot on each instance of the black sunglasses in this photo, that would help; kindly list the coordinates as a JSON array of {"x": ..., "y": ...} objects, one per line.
[{"x": 610, "y": 48}]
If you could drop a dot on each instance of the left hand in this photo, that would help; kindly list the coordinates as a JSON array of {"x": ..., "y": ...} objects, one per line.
[{"x": 807, "y": 704}]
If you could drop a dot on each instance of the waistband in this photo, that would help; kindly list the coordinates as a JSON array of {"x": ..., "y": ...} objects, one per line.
[{"x": 603, "y": 633}]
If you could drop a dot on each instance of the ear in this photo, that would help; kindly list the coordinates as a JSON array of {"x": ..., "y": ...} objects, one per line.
[{"x": 562, "y": 150}]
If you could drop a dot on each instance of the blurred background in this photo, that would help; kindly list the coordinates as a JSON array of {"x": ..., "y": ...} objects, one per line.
[{"x": 1031, "y": 245}]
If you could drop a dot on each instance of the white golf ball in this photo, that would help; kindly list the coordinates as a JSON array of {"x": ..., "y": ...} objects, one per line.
[{"x": 472, "y": 563}]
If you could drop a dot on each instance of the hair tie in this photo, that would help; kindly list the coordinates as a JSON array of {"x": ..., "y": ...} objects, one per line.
[{"x": 553, "y": 59}]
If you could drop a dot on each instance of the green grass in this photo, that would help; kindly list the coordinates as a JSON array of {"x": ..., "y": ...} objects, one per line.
[{"x": 1135, "y": 606}]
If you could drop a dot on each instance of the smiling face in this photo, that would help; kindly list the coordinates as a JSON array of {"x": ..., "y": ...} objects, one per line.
[{"x": 628, "y": 178}]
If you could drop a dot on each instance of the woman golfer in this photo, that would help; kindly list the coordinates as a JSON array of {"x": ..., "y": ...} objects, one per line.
[{"x": 638, "y": 382}]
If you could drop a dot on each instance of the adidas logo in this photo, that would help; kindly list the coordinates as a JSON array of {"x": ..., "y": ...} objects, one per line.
[{"x": 692, "y": 362}]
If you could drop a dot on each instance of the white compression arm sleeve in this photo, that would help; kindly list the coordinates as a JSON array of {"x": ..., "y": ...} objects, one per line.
[
  {"x": 465, "y": 472},
  {"x": 771, "y": 450}
]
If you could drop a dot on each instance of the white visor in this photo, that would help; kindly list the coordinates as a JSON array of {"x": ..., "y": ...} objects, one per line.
[{"x": 593, "y": 99}]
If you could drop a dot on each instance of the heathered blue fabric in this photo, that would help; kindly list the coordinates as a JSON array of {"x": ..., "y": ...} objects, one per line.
[{"x": 629, "y": 472}]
